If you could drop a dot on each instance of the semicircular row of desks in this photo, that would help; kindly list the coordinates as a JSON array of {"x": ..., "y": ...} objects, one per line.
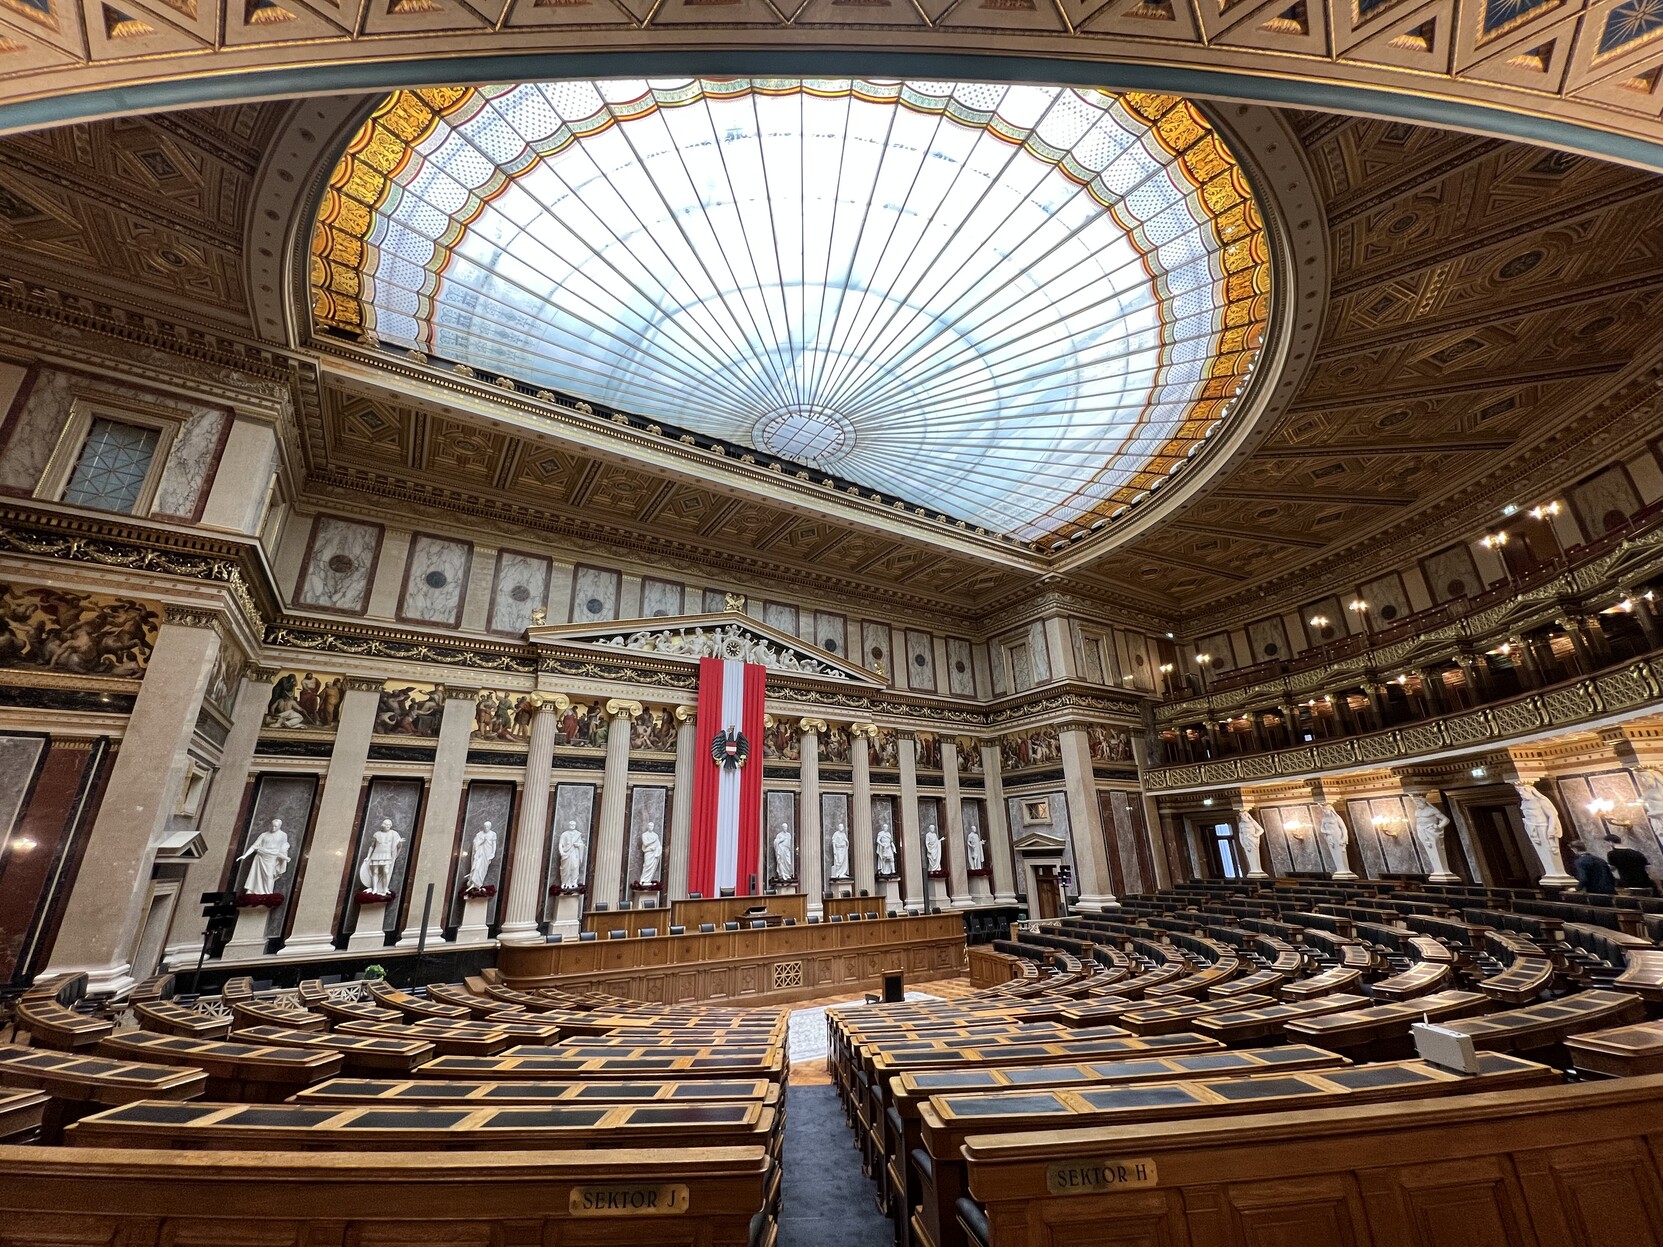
[
  {"x": 1186, "y": 1073},
  {"x": 374, "y": 1115}
]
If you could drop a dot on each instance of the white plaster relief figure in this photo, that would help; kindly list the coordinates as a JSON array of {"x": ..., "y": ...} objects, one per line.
[
  {"x": 376, "y": 872},
  {"x": 484, "y": 853},
  {"x": 932, "y": 851},
  {"x": 1650, "y": 783},
  {"x": 1430, "y": 825},
  {"x": 1250, "y": 834},
  {"x": 1335, "y": 836},
  {"x": 1542, "y": 829},
  {"x": 973, "y": 858},
  {"x": 652, "y": 852},
  {"x": 270, "y": 852},
  {"x": 570, "y": 849},
  {"x": 840, "y": 852},
  {"x": 885, "y": 851},
  {"x": 785, "y": 863}
]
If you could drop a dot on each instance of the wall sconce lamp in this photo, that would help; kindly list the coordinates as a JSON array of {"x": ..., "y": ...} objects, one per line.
[
  {"x": 1319, "y": 621},
  {"x": 1545, "y": 511},
  {"x": 1493, "y": 541}
]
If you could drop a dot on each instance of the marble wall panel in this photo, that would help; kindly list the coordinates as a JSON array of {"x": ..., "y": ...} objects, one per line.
[
  {"x": 875, "y": 648},
  {"x": 883, "y": 819},
  {"x": 399, "y": 800},
  {"x": 33, "y": 427},
  {"x": 930, "y": 819},
  {"x": 1388, "y": 600},
  {"x": 831, "y": 633},
  {"x": 780, "y": 815},
  {"x": 19, "y": 756},
  {"x": 649, "y": 807},
  {"x": 1627, "y": 819},
  {"x": 339, "y": 565},
  {"x": 521, "y": 586},
  {"x": 920, "y": 661},
  {"x": 1604, "y": 500},
  {"x": 595, "y": 593},
  {"x": 972, "y": 817},
  {"x": 660, "y": 598},
  {"x": 1219, "y": 647},
  {"x": 715, "y": 601},
  {"x": 574, "y": 810},
  {"x": 1340, "y": 621},
  {"x": 834, "y": 815},
  {"x": 1269, "y": 639},
  {"x": 961, "y": 668},
  {"x": 288, "y": 798},
  {"x": 435, "y": 580},
  {"x": 191, "y": 461},
  {"x": 485, "y": 801},
  {"x": 1039, "y": 652},
  {"x": 781, "y": 615},
  {"x": 1451, "y": 574}
]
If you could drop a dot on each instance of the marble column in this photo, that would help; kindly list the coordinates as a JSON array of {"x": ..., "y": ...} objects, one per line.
[
  {"x": 522, "y": 909},
  {"x": 681, "y": 804},
  {"x": 810, "y": 858},
  {"x": 998, "y": 828},
  {"x": 1085, "y": 820},
  {"x": 437, "y": 848},
  {"x": 917, "y": 888},
  {"x": 218, "y": 823},
  {"x": 100, "y": 929},
  {"x": 861, "y": 858},
  {"x": 952, "y": 825},
  {"x": 611, "y": 844},
  {"x": 330, "y": 856}
]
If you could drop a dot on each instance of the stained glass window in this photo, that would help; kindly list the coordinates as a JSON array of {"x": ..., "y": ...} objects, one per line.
[
  {"x": 1023, "y": 306},
  {"x": 111, "y": 470}
]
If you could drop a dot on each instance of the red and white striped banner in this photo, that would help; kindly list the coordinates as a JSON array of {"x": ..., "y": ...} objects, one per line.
[{"x": 726, "y": 846}]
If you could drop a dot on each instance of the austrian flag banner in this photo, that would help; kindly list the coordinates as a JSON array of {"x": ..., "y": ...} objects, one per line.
[{"x": 726, "y": 846}]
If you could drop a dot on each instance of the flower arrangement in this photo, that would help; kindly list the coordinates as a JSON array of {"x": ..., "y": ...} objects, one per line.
[
  {"x": 556, "y": 890},
  {"x": 366, "y": 897},
  {"x": 374, "y": 972},
  {"x": 481, "y": 893}
]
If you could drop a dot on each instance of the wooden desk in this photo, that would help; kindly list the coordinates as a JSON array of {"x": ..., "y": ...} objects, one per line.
[
  {"x": 80, "y": 1084},
  {"x": 411, "y": 1091}
]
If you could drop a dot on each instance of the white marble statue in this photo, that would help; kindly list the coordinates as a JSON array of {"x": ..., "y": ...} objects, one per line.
[
  {"x": 270, "y": 852},
  {"x": 1650, "y": 783},
  {"x": 376, "y": 871},
  {"x": 1334, "y": 835},
  {"x": 973, "y": 858},
  {"x": 484, "y": 853},
  {"x": 1430, "y": 825},
  {"x": 885, "y": 851},
  {"x": 840, "y": 852},
  {"x": 570, "y": 850},
  {"x": 932, "y": 850},
  {"x": 1542, "y": 828},
  {"x": 785, "y": 855},
  {"x": 652, "y": 852},
  {"x": 1250, "y": 834}
]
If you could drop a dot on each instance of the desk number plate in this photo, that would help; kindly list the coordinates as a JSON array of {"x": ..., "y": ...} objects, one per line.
[
  {"x": 670, "y": 1199},
  {"x": 1098, "y": 1177}
]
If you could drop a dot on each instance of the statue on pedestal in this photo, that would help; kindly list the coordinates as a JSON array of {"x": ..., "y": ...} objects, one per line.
[
  {"x": 652, "y": 852},
  {"x": 570, "y": 850},
  {"x": 785, "y": 855},
  {"x": 1650, "y": 785},
  {"x": 1542, "y": 828},
  {"x": 1334, "y": 835},
  {"x": 376, "y": 871},
  {"x": 484, "y": 854},
  {"x": 932, "y": 851},
  {"x": 973, "y": 852},
  {"x": 885, "y": 852},
  {"x": 840, "y": 852},
  {"x": 1250, "y": 834},
  {"x": 1430, "y": 825},
  {"x": 270, "y": 852}
]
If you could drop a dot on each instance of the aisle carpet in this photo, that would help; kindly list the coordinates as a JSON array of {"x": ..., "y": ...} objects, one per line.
[{"x": 826, "y": 1201}]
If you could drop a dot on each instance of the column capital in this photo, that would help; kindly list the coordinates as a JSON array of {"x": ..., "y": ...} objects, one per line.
[
  {"x": 619, "y": 708},
  {"x": 863, "y": 729},
  {"x": 364, "y": 684},
  {"x": 816, "y": 726},
  {"x": 686, "y": 714},
  {"x": 464, "y": 692},
  {"x": 260, "y": 675},
  {"x": 189, "y": 615}
]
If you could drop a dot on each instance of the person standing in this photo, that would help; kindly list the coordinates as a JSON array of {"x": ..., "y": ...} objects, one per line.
[
  {"x": 1629, "y": 865},
  {"x": 1593, "y": 876}
]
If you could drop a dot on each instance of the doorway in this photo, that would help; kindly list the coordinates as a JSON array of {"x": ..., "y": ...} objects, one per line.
[
  {"x": 1500, "y": 844},
  {"x": 1047, "y": 897}
]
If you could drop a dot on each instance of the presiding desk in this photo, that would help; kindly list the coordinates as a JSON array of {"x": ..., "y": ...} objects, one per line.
[
  {"x": 715, "y": 910},
  {"x": 743, "y": 967}
]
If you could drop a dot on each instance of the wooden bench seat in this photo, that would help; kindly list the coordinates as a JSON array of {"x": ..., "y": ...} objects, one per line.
[
  {"x": 21, "y": 1113},
  {"x": 1171, "y": 1018},
  {"x": 1385, "y": 1026},
  {"x": 79, "y": 1084},
  {"x": 1519, "y": 983},
  {"x": 302, "y": 1128},
  {"x": 166, "y": 1018},
  {"x": 339, "y": 1011},
  {"x": 1620, "y": 1052},
  {"x": 1642, "y": 975},
  {"x": 45, "y": 1011},
  {"x": 1420, "y": 979},
  {"x": 948, "y": 1121},
  {"x": 446, "y": 1040},
  {"x": 360, "y": 1054},
  {"x": 260, "y": 1074},
  {"x": 419, "y": 1091},
  {"x": 1427, "y": 948},
  {"x": 1268, "y": 1021},
  {"x": 1258, "y": 983},
  {"x": 410, "y": 1006},
  {"x": 1546, "y": 1025},
  {"x": 254, "y": 1011},
  {"x": 476, "y": 1006},
  {"x": 709, "y": 1063},
  {"x": 716, "y": 1197},
  {"x": 1334, "y": 979}
]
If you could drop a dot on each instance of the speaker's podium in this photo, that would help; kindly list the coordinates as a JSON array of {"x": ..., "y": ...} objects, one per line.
[{"x": 894, "y": 989}]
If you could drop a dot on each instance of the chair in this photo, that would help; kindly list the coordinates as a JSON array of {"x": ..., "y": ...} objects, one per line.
[
  {"x": 837, "y": 917},
  {"x": 871, "y": 913},
  {"x": 854, "y": 917},
  {"x": 730, "y": 926},
  {"x": 600, "y": 907},
  {"x": 705, "y": 928},
  {"x": 695, "y": 896},
  {"x": 790, "y": 922},
  {"x": 645, "y": 932},
  {"x": 757, "y": 924},
  {"x": 813, "y": 920},
  {"x": 623, "y": 905},
  {"x": 617, "y": 934},
  {"x": 586, "y": 936},
  {"x": 553, "y": 939},
  {"x": 678, "y": 930},
  {"x": 726, "y": 892}
]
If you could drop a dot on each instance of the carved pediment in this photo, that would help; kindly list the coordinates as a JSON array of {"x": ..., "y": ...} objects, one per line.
[
  {"x": 1037, "y": 841},
  {"x": 688, "y": 638}
]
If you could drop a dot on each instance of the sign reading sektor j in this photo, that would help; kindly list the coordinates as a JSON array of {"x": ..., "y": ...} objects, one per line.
[
  {"x": 670, "y": 1199},
  {"x": 1097, "y": 1177}
]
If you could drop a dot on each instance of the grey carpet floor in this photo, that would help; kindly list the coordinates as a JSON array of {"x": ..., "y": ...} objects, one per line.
[{"x": 826, "y": 1200}]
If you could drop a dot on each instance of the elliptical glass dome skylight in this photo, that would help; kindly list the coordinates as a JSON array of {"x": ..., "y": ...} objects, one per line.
[{"x": 1021, "y": 306}]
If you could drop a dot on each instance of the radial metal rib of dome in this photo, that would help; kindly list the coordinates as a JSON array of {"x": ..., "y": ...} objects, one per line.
[{"x": 1023, "y": 306}]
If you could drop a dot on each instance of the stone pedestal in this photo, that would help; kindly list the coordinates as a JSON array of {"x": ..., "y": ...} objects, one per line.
[
  {"x": 1341, "y": 876},
  {"x": 368, "y": 935},
  {"x": 568, "y": 916},
  {"x": 248, "y": 941},
  {"x": 891, "y": 891},
  {"x": 475, "y": 911}
]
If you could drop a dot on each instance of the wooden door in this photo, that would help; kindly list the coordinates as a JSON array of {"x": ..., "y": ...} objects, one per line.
[
  {"x": 1501, "y": 845},
  {"x": 1047, "y": 902}
]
